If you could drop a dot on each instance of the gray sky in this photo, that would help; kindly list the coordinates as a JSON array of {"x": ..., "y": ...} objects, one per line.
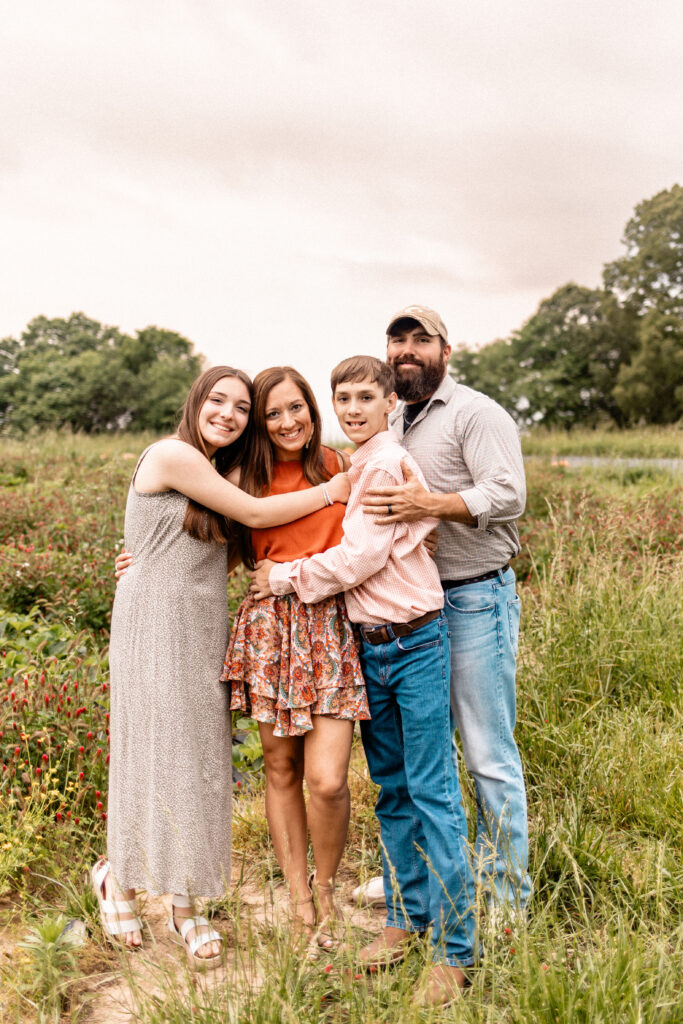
[{"x": 274, "y": 180}]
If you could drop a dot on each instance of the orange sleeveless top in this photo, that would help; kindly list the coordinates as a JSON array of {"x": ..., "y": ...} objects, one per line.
[{"x": 306, "y": 536}]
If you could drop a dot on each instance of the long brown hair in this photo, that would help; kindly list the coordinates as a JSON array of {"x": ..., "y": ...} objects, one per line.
[
  {"x": 256, "y": 474},
  {"x": 201, "y": 522}
]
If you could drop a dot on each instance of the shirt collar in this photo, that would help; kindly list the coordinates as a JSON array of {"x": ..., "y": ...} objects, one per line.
[
  {"x": 371, "y": 447},
  {"x": 443, "y": 394}
]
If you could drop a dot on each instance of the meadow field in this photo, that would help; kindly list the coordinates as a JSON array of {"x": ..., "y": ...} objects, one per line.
[{"x": 599, "y": 728}]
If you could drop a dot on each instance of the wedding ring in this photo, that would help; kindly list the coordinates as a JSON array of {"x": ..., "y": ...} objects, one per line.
[{"x": 389, "y": 512}]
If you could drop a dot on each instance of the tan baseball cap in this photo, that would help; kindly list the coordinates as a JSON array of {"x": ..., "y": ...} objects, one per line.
[{"x": 427, "y": 318}]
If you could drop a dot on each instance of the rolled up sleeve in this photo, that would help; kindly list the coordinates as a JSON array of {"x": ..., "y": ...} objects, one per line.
[{"x": 493, "y": 455}]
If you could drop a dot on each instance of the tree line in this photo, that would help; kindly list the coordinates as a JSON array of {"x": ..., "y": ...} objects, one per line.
[
  {"x": 587, "y": 355},
  {"x": 79, "y": 374},
  {"x": 591, "y": 355}
]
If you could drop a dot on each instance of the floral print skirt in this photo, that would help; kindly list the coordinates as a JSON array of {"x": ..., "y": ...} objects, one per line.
[{"x": 287, "y": 660}]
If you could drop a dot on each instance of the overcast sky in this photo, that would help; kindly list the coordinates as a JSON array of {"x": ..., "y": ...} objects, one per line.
[{"x": 274, "y": 180}]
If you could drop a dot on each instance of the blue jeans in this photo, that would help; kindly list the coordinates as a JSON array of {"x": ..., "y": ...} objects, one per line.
[
  {"x": 428, "y": 878},
  {"x": 483, "y": 620}
]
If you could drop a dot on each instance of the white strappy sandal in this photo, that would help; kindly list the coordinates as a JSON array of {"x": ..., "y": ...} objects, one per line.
[
  {"x": 111, "y": 911},
  {"x": 180, "y": 935}
]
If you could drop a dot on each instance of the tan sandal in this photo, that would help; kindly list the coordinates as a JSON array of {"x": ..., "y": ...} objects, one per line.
[
  {"x": 112, "y": 911},
  {"x": 324, "y": 934},
  {"x": 198, "y": 963}
]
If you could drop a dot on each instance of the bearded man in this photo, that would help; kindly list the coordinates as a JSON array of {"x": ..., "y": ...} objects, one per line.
[{"x": 469, "y": 451}]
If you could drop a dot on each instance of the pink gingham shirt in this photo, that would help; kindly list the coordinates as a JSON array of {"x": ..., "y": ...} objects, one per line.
[{"x": 385, "y": 572}]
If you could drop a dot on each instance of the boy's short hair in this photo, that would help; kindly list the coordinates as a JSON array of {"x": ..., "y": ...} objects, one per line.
[{"x": 360, "y": 368}]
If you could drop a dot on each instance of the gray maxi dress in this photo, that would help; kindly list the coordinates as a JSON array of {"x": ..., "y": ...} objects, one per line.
[{"x": 170, "y": 778}]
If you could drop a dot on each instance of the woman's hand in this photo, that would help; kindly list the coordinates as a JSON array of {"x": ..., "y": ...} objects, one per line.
[
  {"x": 431, "y": 542},
  {"x": 260, "y": 584},
  {"x": 122, "y": 563},
  {"x": 339, "y": 487}
]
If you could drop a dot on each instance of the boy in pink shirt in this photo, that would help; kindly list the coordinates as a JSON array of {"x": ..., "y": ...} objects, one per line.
[{"x": 393, "y": 594}]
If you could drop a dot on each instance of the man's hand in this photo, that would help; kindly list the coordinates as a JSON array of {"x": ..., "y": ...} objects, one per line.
[
  {"x": 400, "y": 504},
  {"x": 260, "y": 587}
]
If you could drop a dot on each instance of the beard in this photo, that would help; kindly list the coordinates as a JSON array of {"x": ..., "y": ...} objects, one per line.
[{"x": 419, "y": 383}]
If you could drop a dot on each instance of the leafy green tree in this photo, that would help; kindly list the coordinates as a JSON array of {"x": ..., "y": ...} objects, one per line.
[
  {"x": 569, "y": 353},
  {"x": 561, "y": 366},
  {"x": 650, "y": 388},
  {"x": 650, "y": 274},
  {"x": 492, "y": 369},
  {"x": 80, "y": 374}
]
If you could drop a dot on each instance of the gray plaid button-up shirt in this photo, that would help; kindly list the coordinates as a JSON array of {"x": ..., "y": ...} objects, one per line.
[{"x": 465, "y": 442}]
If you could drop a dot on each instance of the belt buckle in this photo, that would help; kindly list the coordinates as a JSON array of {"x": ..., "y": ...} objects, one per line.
[{"x": 375, "y": 632}]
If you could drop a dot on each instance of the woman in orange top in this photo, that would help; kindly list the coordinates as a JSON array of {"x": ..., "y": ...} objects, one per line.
[{"x": 294, "y": 667}]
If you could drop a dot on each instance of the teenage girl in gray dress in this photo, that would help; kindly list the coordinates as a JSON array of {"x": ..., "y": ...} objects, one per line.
[{"x": 170, "y": 784}]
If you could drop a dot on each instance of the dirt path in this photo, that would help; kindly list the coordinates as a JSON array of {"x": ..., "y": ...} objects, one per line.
[{"x": 110, "y": 998}]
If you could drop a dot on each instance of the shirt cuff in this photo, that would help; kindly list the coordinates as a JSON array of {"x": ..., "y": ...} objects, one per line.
[
  {"x": 279, "y": 580},
  {"x": 477, "y": 506}
]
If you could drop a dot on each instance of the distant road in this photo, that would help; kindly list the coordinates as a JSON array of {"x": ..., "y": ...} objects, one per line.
[{"x": 672, "y": 465}]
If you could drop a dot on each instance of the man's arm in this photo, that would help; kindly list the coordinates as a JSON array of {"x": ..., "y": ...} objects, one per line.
[
  {"x": 363, "y": 551},
  {"x": 411, "y": 501},
  {"x": 493, "y": 456}
]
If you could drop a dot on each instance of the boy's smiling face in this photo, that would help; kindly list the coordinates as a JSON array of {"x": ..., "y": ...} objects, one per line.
[{"x": 362, "y": 409}]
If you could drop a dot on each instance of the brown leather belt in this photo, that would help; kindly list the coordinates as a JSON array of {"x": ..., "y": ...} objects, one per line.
[
  {"x": 386, "y": 633},
  {"x": 450, "y": 584}
]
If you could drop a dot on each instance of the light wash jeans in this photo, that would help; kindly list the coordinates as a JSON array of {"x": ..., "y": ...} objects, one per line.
[
  {"x": 483, "y": 620},
  {"x": 428, "y": 878}
]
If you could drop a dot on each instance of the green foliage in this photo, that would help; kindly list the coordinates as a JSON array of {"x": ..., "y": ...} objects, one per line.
[
  {"x": 593, "y": 355},
  {"x": 54, "y": 735},
  {"x": 80, "y": 374},
  {"x": 650, "y": 274},
  {"x": 599, "y": 714},
  {"x": 650, "y": 388},
  {"x": 493, "y": 369},
  {"x": 646, "y": 443},
  {"x": 51, "y": 968},
  {"x": 569, "y": 354}
]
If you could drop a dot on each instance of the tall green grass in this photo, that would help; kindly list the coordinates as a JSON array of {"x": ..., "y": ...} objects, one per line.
[
  {"x": 599, "y": 727},
  {"x": 636, "y": 443}
]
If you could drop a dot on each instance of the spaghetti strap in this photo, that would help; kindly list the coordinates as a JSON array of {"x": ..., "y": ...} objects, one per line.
[{"x": 137, "y": 465}]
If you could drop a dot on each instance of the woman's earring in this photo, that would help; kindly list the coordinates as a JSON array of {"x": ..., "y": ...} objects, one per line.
[{"x": 308, "y": 441}]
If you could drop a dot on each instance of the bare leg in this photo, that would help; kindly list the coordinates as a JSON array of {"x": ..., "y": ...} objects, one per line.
[
  {"x": 326, "y": 760},
  {"x": 286, "y": 813}
]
